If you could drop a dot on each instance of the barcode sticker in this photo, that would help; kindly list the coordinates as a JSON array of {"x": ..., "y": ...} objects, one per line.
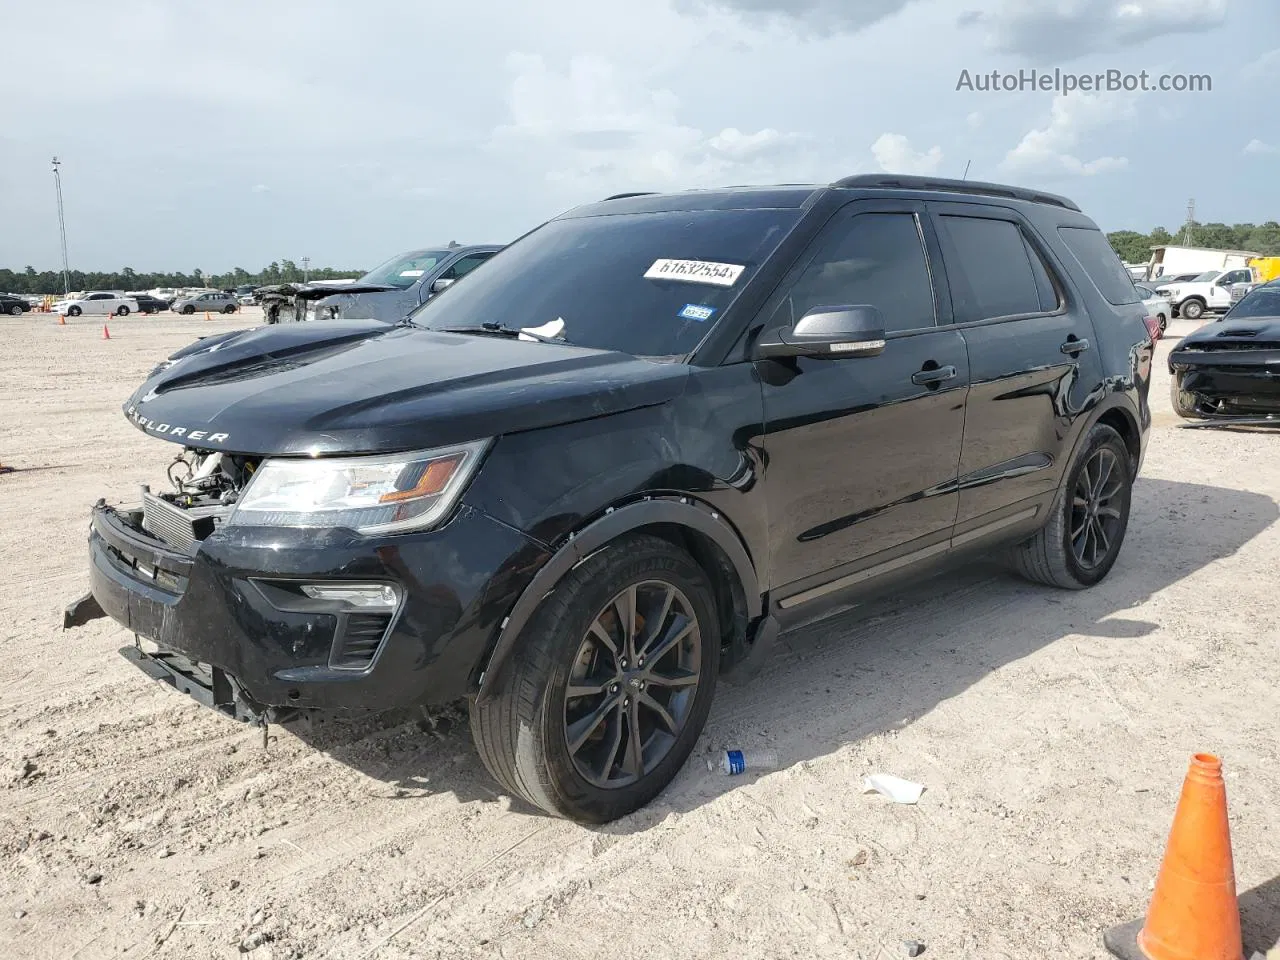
[{"x": 695, "y": 271}]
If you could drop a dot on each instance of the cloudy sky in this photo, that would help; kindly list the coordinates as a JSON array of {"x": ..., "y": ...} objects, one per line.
[{"x": 213, "y": 135}]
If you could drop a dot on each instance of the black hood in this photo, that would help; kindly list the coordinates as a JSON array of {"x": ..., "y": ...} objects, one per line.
[
  {"x": 364, "y": 387},
  {"x": 1227, "y": 329}
]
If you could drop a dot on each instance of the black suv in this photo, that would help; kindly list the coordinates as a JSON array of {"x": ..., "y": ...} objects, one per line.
[{"x": 619, "y": 459}]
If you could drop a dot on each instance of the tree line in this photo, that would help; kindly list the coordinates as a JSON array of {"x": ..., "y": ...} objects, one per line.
[
  {"x": 32, "y": 281},
  {"x": 1135, "y": 247}
]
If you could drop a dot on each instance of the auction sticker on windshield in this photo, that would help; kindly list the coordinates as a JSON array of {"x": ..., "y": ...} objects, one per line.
[
  {"x": 412, "y": 273},
  {"x": 695, "y": 271}
]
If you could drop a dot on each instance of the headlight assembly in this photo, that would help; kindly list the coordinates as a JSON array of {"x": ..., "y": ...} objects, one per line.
[{"x": 371, "y": 495}]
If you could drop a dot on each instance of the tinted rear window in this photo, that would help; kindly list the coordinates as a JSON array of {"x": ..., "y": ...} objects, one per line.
[
  {"x": 989, "y": 269},
  {"x": 1100, "y": 262}
]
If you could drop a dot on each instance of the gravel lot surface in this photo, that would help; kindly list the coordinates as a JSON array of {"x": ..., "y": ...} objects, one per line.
[{"x": 1051, "y": 731}]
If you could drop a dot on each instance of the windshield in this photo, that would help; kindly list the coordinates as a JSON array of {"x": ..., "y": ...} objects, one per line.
[
  {"x": 1208, "y": 277},
  {"x": 406, "y": 269},
  {"x": 1258, "y": 302},
  {"x": 647, "y": 284}
]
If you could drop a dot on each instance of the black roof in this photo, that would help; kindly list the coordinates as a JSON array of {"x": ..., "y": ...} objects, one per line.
[{"x": 795, "y": 196}]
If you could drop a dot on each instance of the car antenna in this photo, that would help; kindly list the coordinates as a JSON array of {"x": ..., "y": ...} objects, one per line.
[{"x": 966, "y": 170}]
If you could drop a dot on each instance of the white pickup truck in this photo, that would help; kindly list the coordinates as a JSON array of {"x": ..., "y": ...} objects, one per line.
[{"x": 1209, "y": 292}]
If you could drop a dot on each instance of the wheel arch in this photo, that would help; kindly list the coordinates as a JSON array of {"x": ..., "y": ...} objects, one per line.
[{"x": 712, "y": 542}]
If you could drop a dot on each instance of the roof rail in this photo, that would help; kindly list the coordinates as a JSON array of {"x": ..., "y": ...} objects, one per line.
[
  {"x": 893, "y": 182},
  {"x": 624, "y": 196}
]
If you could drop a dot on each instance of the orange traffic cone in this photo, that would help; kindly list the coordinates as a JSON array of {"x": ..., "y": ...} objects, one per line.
[
  {"x": 106, "y": 334},
  {"x": 1194, "y": 914},
  {"x": 62, "y": 320},
  {"x": 206, "y": 315}
]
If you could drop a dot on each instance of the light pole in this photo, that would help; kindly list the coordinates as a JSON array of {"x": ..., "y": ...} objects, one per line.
[
  {"x": 62, "y": 228},
  {"x": 306, "y": 269}
]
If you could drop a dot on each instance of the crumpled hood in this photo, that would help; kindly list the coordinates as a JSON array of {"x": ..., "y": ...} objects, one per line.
[{"x": 364, "y": 387}]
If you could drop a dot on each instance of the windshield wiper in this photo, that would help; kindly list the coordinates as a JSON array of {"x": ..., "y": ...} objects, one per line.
[{"x": 500, "y": 330}]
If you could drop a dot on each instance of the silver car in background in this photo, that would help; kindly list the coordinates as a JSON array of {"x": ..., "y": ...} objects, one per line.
[{"x": 212, "y": 302}]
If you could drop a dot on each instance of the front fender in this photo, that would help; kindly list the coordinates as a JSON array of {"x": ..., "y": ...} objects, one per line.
[{"x": 678, "y": 511}]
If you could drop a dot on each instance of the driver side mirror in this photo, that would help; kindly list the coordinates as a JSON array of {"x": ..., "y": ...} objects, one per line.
[
  {"x": 442, "y": 284},
  {"x": 834, "y": 332}
]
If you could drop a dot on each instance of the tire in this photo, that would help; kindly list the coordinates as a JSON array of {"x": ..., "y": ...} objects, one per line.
[
  {"x": 15, "y": 310},
  {"x": 1184, "y": 404},
  {"x": 229, "y": 308},
  {"x": 1050, "y": 557},
  {"x": 1192, "y": 309},
  {"x": 73, "y": 311},
  {"x": 523, "y": 730},
  {"x": 1164, "y": 323},
  {"x": 122, "y": 311},
  {"x": 188, "y": 310}
]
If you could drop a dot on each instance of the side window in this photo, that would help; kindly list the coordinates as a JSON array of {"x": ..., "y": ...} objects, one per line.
[
  {"x": 1095, "y": 254},
  {"x": 465, "y": 266},
  {"x": 1049, "y": 297},
  {"x": 872, "y": 258},
  {"x": 990, "y": 270}
]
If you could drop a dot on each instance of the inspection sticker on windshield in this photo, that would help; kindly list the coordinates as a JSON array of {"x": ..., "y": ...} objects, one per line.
[
  {"x": 412, "y": 273},
  {"x": 695, "y": 271},
  {"x": 696, "y": 311}
]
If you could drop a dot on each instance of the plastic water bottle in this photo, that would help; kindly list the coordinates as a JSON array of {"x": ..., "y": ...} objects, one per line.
[{"x": 734, "y": 762}]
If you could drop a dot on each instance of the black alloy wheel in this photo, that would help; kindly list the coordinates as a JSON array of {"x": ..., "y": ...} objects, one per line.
[
  {"x": 633, "y": 684},
  {"x": 1096, "y": 517}
]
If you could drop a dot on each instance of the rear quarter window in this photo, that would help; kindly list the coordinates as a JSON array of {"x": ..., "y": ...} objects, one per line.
[{"x": 1094, "y": 253}]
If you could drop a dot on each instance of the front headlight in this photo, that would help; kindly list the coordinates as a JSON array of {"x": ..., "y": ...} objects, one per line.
[{"x": 371, "y": 495}]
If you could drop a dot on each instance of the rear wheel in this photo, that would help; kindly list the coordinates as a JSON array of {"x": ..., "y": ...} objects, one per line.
[
  {"x": 1192, "y": 309},
  {"x": 229, "y": 308},
  {"x": 606, "y": 695},
  {"x": 1080, "y": 543},
  {"x": 122, "y": 311},
  {"x": 1163, "y": 321},
  {"x": 15, "y": 310}
]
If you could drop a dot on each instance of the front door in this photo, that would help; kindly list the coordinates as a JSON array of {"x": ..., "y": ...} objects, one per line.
[{"x": 862, "y": 453}]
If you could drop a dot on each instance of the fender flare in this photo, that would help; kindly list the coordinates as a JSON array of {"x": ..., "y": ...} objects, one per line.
[
  {"x": 616, "y": 521},
  {"x": 1115, "y": 402}
]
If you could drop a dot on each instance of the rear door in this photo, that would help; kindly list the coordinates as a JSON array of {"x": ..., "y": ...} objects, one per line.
[
  {"x": 862, "y": 452},
  {"x": 1034, "y": 364}
]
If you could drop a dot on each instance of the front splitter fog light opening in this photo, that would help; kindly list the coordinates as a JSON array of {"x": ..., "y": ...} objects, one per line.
[{"x": 358, "y": 596}]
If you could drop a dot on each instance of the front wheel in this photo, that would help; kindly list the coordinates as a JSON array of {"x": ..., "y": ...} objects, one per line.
[
  {"x": 73, "y": 311},
  {"x": 605, "y": 697},
  {"x": 188, "y": 310},
  {"x": 15, "y": 310},
  {"x": 1164, "y": 323},
  {"x": 229, "y": 308},
  {"x": 122, "y": 311},
  {"x": 1079, "y": 544},
  {"x": 1192, "y": 309}
]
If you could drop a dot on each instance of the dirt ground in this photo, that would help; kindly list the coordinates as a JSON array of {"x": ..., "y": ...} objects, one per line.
[{"x": 1051, "y": 730}]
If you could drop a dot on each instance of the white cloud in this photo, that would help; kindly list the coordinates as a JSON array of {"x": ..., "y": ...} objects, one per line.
[
  {"x": 894, "y": 154},
  {"x": 1266, "y": 67},
  {"x": 810, "y": 16},
  {"x": 1258, "y": 147},
  {"x": 1060, "y": 30},
  {"x": 974, "y": 120},
  {"x": 587, "y": 123},
  {"x": 1053, "y": 148},
  {"x": 260, "y": 188}
]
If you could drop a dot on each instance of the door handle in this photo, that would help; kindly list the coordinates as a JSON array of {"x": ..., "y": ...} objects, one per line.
[
  {"x": 1074, "y": 346},
  {"x": 937, "y": 375}
]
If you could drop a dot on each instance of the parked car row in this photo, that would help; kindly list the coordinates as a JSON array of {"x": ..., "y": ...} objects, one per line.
[{"x": 118, "y": 303}]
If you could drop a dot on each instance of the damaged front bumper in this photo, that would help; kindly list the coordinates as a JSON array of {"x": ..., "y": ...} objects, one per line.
[
  {"x": 1218, "y": 387},
  {"x": 233, "y": 628}
]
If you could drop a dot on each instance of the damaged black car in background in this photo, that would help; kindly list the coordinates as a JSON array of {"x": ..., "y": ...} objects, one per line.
[
  {"x": 389, "y": 293},
  {"x": 1228, "y": 371}
]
